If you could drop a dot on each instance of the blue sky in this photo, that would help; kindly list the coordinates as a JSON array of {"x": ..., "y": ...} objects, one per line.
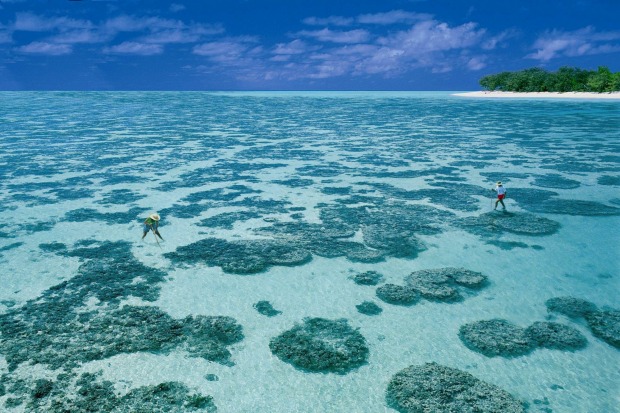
[{"x": 296, "y": 45}]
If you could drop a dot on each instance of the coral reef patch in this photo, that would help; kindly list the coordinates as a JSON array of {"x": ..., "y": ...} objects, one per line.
[
  {"x": 240, "y": 257},
  {"x": 320, "y": 345},
  {"x": 496, "y": 338},
  {"x": 265, "y": 308},
  {"x": 570, "y": 306},
  {"x": 367, "y": 278},
  {"x": 499, "y": 337},
  {"x": 87, "y": 392},
  {"x": 604, "y": 324},
  {"x": 398, "y": 294},
  {"x": 445, "y": 284},
  {"x": 556, "y": 336},
  {"x": 84, "y": 319},
  {"x": 435, "y": 388},
  {"x": 491, "y": 223},
  {"x": 369, "y": 308}
]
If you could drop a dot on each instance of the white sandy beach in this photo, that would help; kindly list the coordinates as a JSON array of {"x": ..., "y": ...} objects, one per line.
[{"x": 529, "y": 95}]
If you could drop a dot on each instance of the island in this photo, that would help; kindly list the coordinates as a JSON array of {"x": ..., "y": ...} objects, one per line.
[{"x": 566, "y": 82}]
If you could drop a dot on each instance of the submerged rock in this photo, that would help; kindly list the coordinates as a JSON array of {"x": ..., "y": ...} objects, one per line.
[
  {"x": 81, "y": 319},
  {"x": 208, "y": 336},
  {"x": 556, "y": 336},
  {"x": 512, "y": 222},
  {"x": 570, "y": 306},
  {"x": 502, "y": 338},
  {"x": 367, "y": 278},
  {"x": 99, "y": 397},
  {"x": 436, "y": 388},
  {"x": 397, "y": 294},
  {"x": 445, "y": 284},
  {"x": 321, "y": 346},
  {"x": 555, "y": 181},
  {"x": 68, "y": 392},
  {"x": 265, "y": 308},
  {"x": 401, "y": 243},
  {"x": 605, "y": 325},
  {"x": 575, "y": 207},
  {"x": 369, "y": 308},
  {"x": 496, "y": 338},
  {"x": 240, "y": 257}
]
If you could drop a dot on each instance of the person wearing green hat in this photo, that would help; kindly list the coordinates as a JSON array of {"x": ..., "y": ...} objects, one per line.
[
  {"x": 151, "y": 224},
  {"x": 501, "y": 194}
]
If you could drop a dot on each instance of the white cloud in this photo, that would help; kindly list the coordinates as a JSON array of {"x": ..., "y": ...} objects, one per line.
[
  {"x": 171, "y": 36},
  {"x": 151, "y": 33},
  {"x": 499, "y": 40},
  {"x": 176, "y": 7},
  {"x": 237, "y": 52},
  {"x": 135, "y": 48},
  {"x": 84, "y": 36},
  {"x": 220, "y": 48},
  {"x": 328, "y": 21},
  {"x": 426, "y": 44},
  {"x": 33, "y": 23},
  {"x": 431, "y": 36},
  {"x": 392, "y": 17},
  {"x": 5, "y": 35},
  {"x": 327, "y": 35},
  {"x": 295, "y": 47},
  {"x": 476, "y": 63},
  {"x": 135, "y": 24},
  {"x": 285, "y": 51},
  {"x": 580, "y": 42},
  {"x": 43, "y": 48}
]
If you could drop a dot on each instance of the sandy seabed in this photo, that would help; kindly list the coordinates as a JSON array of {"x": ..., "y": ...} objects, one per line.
[{"x": 551, "y": 95}]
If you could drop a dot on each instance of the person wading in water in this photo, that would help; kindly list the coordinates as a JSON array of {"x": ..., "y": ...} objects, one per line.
[
  {"x": 151, "y": 224},
  {"x": 501, "y": 194}
]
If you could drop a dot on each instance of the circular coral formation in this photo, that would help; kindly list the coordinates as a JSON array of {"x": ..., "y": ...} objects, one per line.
[
  {"x": 265, "y": 308},
  {"x": 570, "y": 306},
  {"x": 321, "y": 346},
  {"x": 369, "y": 308},
  {"x": 556, "y": 336},
  {"x": 397, "y": 294},
  {"x": 435, "y": 388},
  {"x": 467, "y": 278},
  {"x": 555, "y": 181},
  {"x": 513, "y": 222},
  {"x": 605, "y": 325},
  {"x": 240, "y": 257},
  {"x": 444, "y": 284},
  {"x": 496, "y": 338},
  {"x": 367, "y": 278},
  {"x": 575, "y": 207}
]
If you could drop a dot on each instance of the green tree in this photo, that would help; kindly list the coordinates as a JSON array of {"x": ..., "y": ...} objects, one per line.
[
  {"x": 601, "y": 80},
  {"x": 615, "y": 82},
  {"x": 566, "y": 79}
]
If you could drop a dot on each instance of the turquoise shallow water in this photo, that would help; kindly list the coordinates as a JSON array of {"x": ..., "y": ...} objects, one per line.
[{"x": 285, "y": 197}]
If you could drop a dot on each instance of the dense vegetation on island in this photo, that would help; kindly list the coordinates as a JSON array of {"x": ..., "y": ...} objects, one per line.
[{"x": 566, "y": 79}]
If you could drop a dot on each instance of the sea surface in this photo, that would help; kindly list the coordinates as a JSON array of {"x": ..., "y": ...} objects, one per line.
[{"x": 285, "y": 198}]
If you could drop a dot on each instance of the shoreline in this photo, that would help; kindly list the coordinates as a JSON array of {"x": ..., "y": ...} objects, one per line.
[{"x": 545, "y": 95}]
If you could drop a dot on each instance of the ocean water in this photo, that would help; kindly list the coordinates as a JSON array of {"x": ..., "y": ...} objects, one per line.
[{"x": 285, "y": 197}]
